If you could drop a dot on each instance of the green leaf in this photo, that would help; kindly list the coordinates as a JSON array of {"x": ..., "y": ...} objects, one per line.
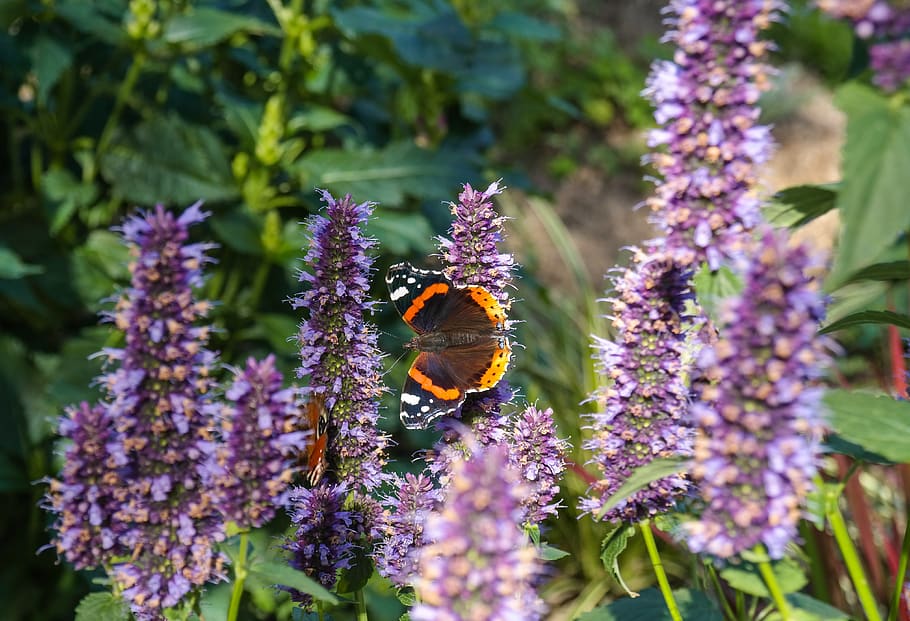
[
  {"x": 65, "y": 195},
  {"x": 836, "y": 444},
  {"x": 877, "y": 423},
  {"x": 821, "y": 610},
  {"x": 49, "y": 60},
  {"x": 641, "y": 477},
  {"x": 890, "y": 271},
  {"x": 355, "y": 577},
  {"x": 12, "y": 266},
  {"x": 90, "y": 18},
  {"x": 745, "y": 577},
  {"x": 388, "y": 175},
  {"x": 98, "y": 266},
  {"x": 167, "y": 160},
  {"x": 872, "y": 200},
  {"x": 280, "y": 331},
  {"x": 546, "y": 552},
  {"x": 205, "y": 26},
  {"x": 614, "y": 544},
  {"x": 276, "y": 572},
  {"x": 317, "y": 119},
  {"x": 102, "y": 607},
  {"x": 402, "y": 234},
  {"x": 13, "y": 477},
  {"x": 867, "y": 317},
  {"x": 650, "y": 606},
  {"x": 523, "y": 26},
  {"x": 408, "y": 598},
  {"x": 240, "y": 231},
  {"x": 796, "y": 206},
  {"x": 711, "y": 288}
]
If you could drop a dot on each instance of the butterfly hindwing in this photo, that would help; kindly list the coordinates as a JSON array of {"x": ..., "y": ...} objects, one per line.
[{"x": 430, "y": 390}]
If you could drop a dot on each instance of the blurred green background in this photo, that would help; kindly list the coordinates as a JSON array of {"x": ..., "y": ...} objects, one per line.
[{"x": 108, "y": 105}]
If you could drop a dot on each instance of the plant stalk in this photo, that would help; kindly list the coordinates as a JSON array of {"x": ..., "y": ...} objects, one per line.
[
  {"x": 658, "y": 565},
  {"x": 239, "y": 577},
  {"x": 851, "y": 560}
]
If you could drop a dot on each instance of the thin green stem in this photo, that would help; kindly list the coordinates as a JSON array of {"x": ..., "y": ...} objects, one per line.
[
  {"x": 361, "y": 605},
  {"x": 239, "y": 577},
  {"x": 123, "y": 93},
  {"x": 851, "y": 560},
  {"x": 658, "y": 565},
  {"x": 777, "y": 594},
  {"x": 728, "y": 609},
  {"x": 901, "y": 573}
]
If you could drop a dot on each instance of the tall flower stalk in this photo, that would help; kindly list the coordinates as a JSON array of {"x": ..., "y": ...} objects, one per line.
[
  {"x": 643, "y": 406},
  {"x": 759, "y": 417},
  {"x": 341, "y": 360},
  {"x": 709, "y": 141}
]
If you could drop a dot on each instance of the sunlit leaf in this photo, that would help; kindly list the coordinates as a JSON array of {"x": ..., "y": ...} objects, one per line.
[
  {"x": 650, "y": 606},
  {"x": 877, "y": 423}
]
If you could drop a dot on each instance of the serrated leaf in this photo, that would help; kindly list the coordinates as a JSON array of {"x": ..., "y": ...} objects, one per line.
[
  {"x": 12, "y": 266},
  {"x": 205, "y": 26},
  {"x": 167, "y": 160},
  {"x": 407, "y": 598},
  {"x": 102, "y": 607},
  {"x": 868, "y": 317},
  {"x": 878, "y": 423},
  {"x": 799, "y": 205},
  {"x": 650, "y": 606},
  {"x": 892, "y": 270},
  {"x": 641, "y": 477},
  {"x": 872, "y": 200},
  {"x": 711, "y": 288},
  {"x": 614, "y": 544},
  {"x": 388, "y": 175},
  {"x": 745, "y": 577},
  {"x": 275, "y": 572}
]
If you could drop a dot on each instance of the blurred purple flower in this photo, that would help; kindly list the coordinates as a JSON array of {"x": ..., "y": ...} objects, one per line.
[
  {"x": 477, "y": 563},
  {"x": 338, "y": 348},
  {"x": 539, "y": 456},
  {"x": 260, "y": 429},
  {"x": 645, "y": 402},
  {"x": 709, "y": 139},
  {"x": 158, "y": 398},
  {"x": 88, "y": 491},
  {"x": 759, "y": 417}
]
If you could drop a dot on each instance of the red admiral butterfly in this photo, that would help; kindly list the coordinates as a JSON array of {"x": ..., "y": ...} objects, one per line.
[
  {"x": 318, "y": 418},
  {"x": 461, "y": 341}
]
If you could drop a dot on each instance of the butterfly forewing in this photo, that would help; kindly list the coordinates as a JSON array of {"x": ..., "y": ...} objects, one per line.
[{"x": 418, "y": 295}]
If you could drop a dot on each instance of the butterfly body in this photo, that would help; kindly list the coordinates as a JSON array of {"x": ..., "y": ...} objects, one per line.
[{"x": 462, "y": 341}]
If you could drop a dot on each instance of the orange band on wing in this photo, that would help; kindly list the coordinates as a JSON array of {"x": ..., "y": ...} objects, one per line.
[
  {"x": 446, "y": 394},
  {"x": 497, "y": 368},
  {"x": 489, "y": 304},
  {"x": 418, "y": 302}
]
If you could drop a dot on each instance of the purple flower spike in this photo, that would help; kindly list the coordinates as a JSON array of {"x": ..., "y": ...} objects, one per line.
[
  {"x": 323, "y": 540},
  {"x": 87, "y": 493},
  {"x": 759, "y": 417},
  {"x": 338, "y": 348},
  {"x": 709, "y": 141},
  {"x": 262, "y": 440},
  {"x": 471, "y": 254},
  {"x": 159, "y": 400},
  {"x": 539, "y": 455},
  {"x": 477, "y": 563},
  {"x": 403, "y": 527},
  {"x": 644, "y": 406}
]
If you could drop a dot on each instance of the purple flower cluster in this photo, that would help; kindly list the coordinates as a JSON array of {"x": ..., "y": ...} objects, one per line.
[
  {"x": 758, "y": 418},
  {"x": 88, "y": 491},
  {"x": 158, "y": 398},
  {"x": 538, "y": 455},
  {"x": 886, "y": 25},
  {"x": 325, "y": 533},
  {"x": 338, "y": 348},
  {"x": 471, "y": 254},
  {"x": 709, "y": 137},
  {"x": 260, "y": 429},
  {"x": 644, "y": 405},
  {"x": 479, "y": 565}
]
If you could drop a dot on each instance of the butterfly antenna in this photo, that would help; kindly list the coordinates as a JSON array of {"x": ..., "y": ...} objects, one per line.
[{"x": 397, "y": 360}]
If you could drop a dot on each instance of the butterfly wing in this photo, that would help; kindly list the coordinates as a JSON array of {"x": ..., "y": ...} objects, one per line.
[
  {"x": 418, "y": 295},
  {"x": 430, "y": 390},
  {"x": 318, "y": 418}
]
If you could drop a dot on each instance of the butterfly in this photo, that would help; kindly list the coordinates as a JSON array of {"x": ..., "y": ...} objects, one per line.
[
  {"x": 318, "y": 417},
  {"x": 462, "y": 344}
]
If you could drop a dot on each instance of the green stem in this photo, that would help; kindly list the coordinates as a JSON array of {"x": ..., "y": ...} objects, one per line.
[
  {"x": 361, "y": 605},
  {"x": 901, "y": 573},
  {"x": 239, "y": 577},
  {"x": 728, "y": 609},
  {"x": 123, "y": 93},
  {"x": 777, "y": 595},
  {"x": 259, "y": 279},
  {"x": 851, "y": 560},
  {"x": 658, "y": 565}
]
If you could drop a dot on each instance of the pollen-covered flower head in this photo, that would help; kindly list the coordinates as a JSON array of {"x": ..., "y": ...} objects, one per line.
[
  {"x": 759, "y": 416},
  {"x": 260, "y": 428},
  {"x": 643, "y": 406},
  {"x": 477, "y": 563},
  {"x": 338, "y": 346},
  {"x": 709, "y": 142},
  {"x": 159, "y": 401}
]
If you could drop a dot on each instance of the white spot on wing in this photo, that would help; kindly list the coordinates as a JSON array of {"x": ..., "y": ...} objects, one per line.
[
  {"x": 398, "y": 293},
  {"x": 411, "y": 280},
  {"x": 425, "y": 409},
  {"x": 409, "y": 398}
]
